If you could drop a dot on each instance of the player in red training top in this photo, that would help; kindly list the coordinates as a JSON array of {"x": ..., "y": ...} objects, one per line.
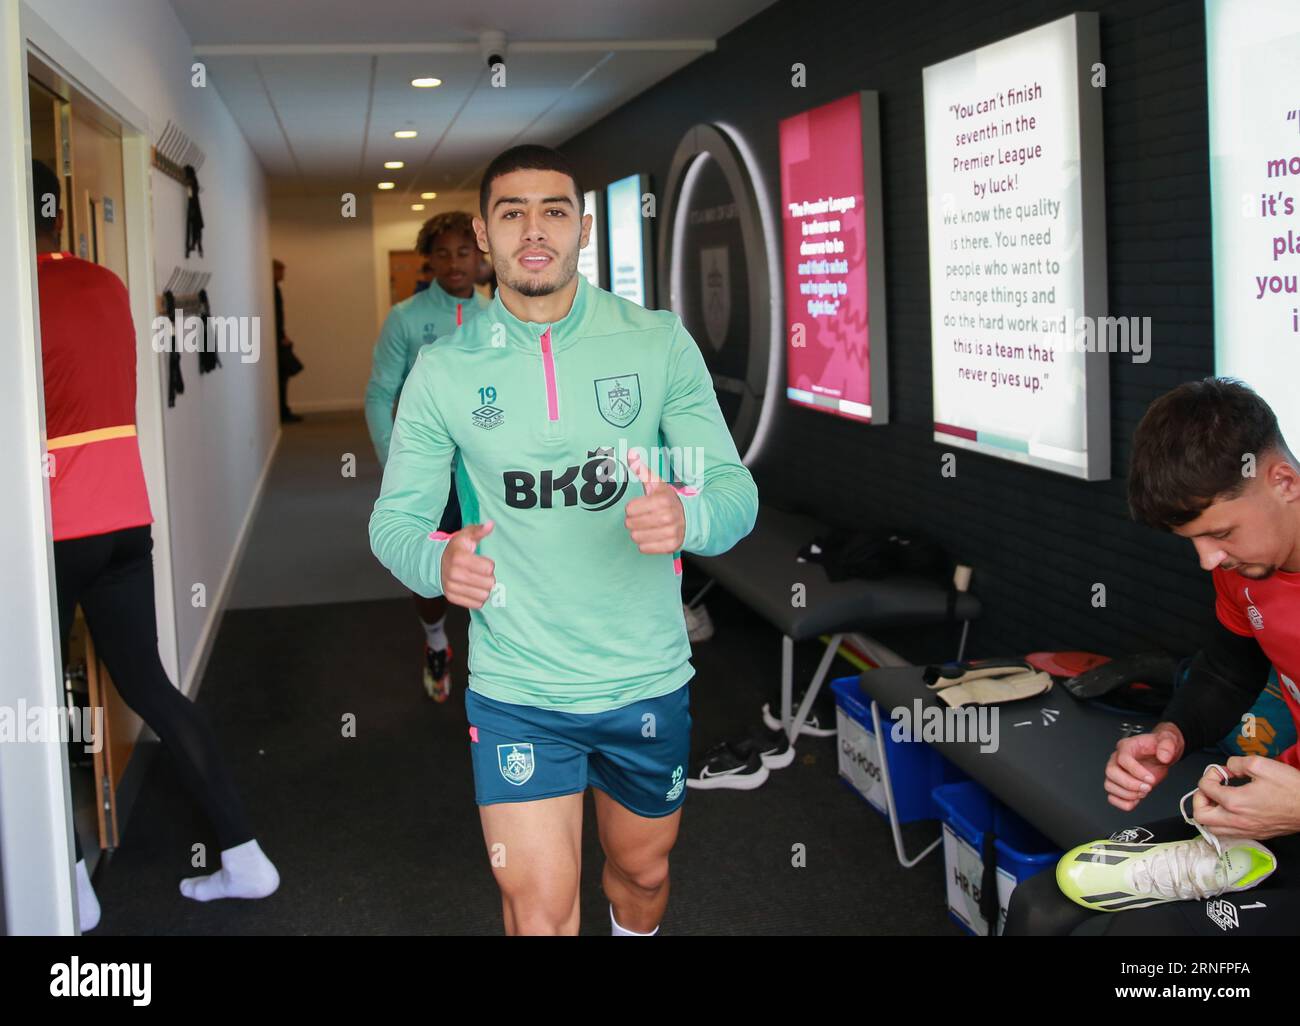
[
  {"x": 1209, "y": 464},
  {"x": 102, "y": 540}
]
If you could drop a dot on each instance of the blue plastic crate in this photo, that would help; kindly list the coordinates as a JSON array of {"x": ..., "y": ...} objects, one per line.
[
  {"x": 915, "y": 769},
  {"x": 968, "y": 811}
]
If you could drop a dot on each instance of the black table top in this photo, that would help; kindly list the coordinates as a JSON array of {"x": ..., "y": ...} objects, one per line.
[{"x": 1050, "y": 758}]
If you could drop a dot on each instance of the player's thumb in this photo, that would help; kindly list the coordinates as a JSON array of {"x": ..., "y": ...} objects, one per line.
[
  {"x": 1166, "y": 747},
  {"x": 472, "y": 534},
  {"x": 649, "y": 481}
]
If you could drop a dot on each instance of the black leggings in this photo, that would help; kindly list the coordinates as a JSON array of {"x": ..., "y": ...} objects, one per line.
[
  {"x": 1039, "y": 908},
  {"x": 111, "y": 576}
]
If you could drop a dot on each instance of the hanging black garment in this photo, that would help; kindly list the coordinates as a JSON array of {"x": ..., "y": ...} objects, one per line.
[
  {"x": 194, "y": 215},
  {"x": 208, "y": 358},
  {"x": 175, "y": 383}
]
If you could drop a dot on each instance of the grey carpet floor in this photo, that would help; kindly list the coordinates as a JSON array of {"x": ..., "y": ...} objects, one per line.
[
  {"x": 379, "y": 834},
  {"x": 309, "y": 543}
]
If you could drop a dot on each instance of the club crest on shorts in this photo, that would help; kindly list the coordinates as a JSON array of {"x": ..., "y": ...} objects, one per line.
[
  {"x": 619, "y": 399},
  {"x": 515, "y": 761}
]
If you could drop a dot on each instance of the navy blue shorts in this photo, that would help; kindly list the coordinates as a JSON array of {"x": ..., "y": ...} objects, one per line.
[{"x": 636, "y": 754}]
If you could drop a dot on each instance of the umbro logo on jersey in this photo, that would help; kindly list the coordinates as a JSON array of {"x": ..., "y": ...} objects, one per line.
[
  {"x": 488, "y": 417},
  {"x": 1223, "y": 914}
]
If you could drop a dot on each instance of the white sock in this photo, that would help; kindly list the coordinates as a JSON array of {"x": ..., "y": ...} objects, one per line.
[
  {"x": 436, "y": 634},
  {"x": 245, "y": 873},
  {"x": 87, "y": 903},
  {"x": 622, "y": 931}
]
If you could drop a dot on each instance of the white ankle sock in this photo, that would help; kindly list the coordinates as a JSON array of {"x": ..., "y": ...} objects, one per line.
[
  {"x": 436, "y": 634},
  {"x": 622, "y": 931},
  {"x": 87, "y": 903},
  {"x": 245, "y": 873}
]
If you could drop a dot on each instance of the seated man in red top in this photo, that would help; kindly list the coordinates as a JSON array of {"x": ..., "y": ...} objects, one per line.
[
  {"x": 1209, "y": 464},
  {"x": 102, "y": 540}
]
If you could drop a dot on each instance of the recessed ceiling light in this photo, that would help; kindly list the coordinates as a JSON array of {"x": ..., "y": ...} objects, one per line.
[
  {"x": 405, "y": 133},
  {"x": 394, "y": 165},
  {"x": 428, "y": 195},
  {"x": 417, "y": 206},
  {"x": 387, "y": 185},
  {"x": 426, "y": 83}
]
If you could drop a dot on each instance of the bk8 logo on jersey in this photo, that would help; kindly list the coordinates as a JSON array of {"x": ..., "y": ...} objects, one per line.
[{"x": 595, "y": 485}]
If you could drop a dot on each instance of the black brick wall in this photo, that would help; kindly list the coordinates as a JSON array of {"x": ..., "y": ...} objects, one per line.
[{"x": 1037, "y": 541}]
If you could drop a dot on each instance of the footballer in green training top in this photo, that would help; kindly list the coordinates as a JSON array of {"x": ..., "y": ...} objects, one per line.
[{"x": 549, "y": 405}]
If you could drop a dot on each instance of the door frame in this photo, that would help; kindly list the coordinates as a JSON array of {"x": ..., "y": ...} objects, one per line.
[{"x": 37, "y": 888}]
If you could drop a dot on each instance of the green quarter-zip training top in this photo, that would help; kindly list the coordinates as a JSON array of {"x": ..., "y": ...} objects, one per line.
[
  {"x": 543, "y": 417},
  {"x": 412, "y": 324}
]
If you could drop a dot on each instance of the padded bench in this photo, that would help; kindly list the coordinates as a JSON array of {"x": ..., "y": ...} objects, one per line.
[
  {"x": 763, "y": 568},
  {"x": 1049, "y": 763}
]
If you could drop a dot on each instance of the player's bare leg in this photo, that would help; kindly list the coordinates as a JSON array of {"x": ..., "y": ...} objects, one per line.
[
  {"x": 636, "y": 862},
  {"x": 535, "y": 849}
]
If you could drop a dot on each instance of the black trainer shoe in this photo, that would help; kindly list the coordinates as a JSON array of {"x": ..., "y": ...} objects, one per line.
[
  {"x": 812, "y": 726},
  {"x": 437, "y": 673},
  {"x": 773, "y": 748},
  {"x": 739, "y": 767}
]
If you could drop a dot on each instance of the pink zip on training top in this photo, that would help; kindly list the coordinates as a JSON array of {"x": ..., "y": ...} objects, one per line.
[
  {"x": 458, "y": 318},
  {"x": 548, "y": 365}
]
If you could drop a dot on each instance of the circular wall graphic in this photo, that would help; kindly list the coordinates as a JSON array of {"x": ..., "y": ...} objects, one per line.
[{"x": 714, "y": 268}]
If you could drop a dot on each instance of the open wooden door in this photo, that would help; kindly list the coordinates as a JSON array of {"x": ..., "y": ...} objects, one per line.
[
  {"x": 97, "y": 196},
  {"x": 83, "y": 145}
]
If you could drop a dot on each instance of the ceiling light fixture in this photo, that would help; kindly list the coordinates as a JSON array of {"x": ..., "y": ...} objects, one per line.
[
  {"x": 405, "y": 133},
  {"x": 417, "y": 206},
  {"x": 394, "y": 165},
  {"x": 387, "y": 185},
  {"x": 426, "y": 83},
  {"x": 428, "y": 195}
]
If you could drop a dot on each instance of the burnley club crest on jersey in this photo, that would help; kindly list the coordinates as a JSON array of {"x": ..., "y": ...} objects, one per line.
[
  {"x": 516, "y": 762},
  {"x": 619, "y": 399}
]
